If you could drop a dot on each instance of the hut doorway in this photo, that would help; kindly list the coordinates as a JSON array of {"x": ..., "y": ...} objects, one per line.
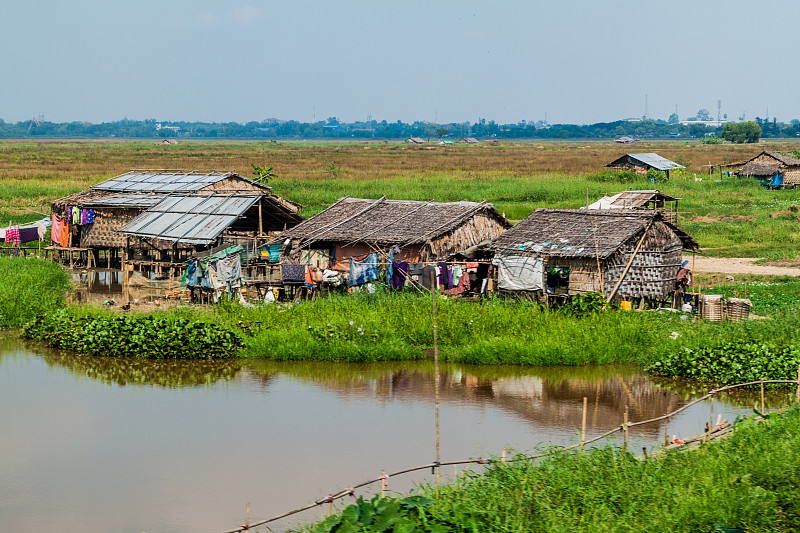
[{"x": 557, "y": 279}]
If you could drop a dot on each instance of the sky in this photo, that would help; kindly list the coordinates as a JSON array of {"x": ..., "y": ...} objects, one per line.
[{"x": 566, "y": 61}]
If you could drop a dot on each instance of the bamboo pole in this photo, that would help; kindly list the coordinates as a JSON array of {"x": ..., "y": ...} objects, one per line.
[
  {"x": 797, "y": 394},
  {"x": 436, "y": 382},
  {"x": 762, "y": 395},
  {"x": 583, "y": 422},
  {"x": 710, "y": 420},
  {"x": 383, "y": 483},
  {"x": 625, "y": 427}
]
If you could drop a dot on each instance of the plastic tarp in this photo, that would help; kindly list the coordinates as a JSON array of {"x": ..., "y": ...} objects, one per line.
[{"x": 519, "y": 273}]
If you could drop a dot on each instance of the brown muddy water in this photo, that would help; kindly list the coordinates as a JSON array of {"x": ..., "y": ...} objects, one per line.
[{"x": 97, "y": 445}]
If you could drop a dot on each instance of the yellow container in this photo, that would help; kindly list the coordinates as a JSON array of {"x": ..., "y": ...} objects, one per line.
[{"x": 625, "y": 306}]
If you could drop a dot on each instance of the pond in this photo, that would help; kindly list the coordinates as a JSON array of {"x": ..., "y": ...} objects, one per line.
[{"x": 96, "y": 445}]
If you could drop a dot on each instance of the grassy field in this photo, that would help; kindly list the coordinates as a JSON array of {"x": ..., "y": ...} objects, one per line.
[{"x": 729, "y": 218}]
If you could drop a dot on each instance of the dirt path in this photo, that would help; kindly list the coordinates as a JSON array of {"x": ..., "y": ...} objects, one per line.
[{"x": 738, "y": 265}]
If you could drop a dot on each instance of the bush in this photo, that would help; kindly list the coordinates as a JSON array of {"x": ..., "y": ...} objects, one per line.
[{"x": 617, "y": 176}]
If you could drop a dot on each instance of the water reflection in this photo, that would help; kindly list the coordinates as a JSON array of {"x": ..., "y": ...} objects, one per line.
[
  {"x": 92, "y": 445},
  {"x": 168, "y": 373}
]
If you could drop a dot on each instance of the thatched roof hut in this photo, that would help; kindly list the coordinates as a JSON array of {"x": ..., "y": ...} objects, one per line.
[
  {"x": 424, "y": 231},
  {"x": 773, "y": 169},
  {"x": 579, "y": 251}
]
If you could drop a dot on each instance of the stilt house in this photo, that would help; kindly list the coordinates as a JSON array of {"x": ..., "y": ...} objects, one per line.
[
  {"x": 423, "y": 231},
  {"x": 169, "y": 209},
  {"x": 626, "y": 253}
]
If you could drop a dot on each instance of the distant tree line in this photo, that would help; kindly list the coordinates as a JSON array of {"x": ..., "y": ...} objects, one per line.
[{"x": 332, "y": 128}]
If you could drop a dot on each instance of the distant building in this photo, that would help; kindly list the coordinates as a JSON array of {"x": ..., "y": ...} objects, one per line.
[
  {"x": 625, "y": 140},
  {"x": 641, "y": 163},
  {"x": 415, "y": 140},
  {"x": 469, "y": 140}
]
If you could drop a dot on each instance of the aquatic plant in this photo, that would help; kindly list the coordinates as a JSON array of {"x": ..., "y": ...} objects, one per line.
[{"x": 151, "y": 336}]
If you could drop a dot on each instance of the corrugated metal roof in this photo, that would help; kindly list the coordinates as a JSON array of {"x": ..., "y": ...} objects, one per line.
[
  {"x": 190, "y": 219},
  {"x": 132, "y": 200},
  {"x": 636, "y": 199},
  {"x": 655, "y": 161},
  {"x": 164, "y": 180}
]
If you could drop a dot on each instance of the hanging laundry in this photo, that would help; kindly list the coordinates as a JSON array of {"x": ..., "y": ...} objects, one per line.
[
  {"x": 429, "y": 277},
  {"x": 445, "y": 275},
  {"x": 462, "y": 287},
  {"x": 55, "y": 229},
  {"x": 41, "y": 230},
  {"x": 28, "y": 234},
  {"x": 363, "y": 270},
  {"x": 229, "y": 269},
  {"x": 12, "y": 236},
  {"x": 518, "y": 273},
  {"x": 293, "y": 273},
  {"x": 399, "y": 275}
]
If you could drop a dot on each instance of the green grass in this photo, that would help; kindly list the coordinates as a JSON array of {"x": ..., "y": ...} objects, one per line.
[
  {"x": 29, "y": 287},
  {"x": 750, "y": 481}
]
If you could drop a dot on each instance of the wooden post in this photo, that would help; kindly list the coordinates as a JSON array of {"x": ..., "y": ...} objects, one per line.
[
  {"x": 710, "y": 420},
  {"x": 330, "y": 506},
  {"x": 503, "y": 457},
  {"x": 260, "y": 222},
  {"x": 797, "y": 394},
  {"x": 625, "y": 427},
  {"x": 583, "y": 422},
  {"x": 436, "y": 382},
  {"x": 762, "y": 395},
  {"x": 383, "y": 483},
  {"x": 247, "y": 517}
]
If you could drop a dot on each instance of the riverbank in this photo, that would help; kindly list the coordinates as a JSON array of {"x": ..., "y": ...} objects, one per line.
[{"x": 747, "y": 482}]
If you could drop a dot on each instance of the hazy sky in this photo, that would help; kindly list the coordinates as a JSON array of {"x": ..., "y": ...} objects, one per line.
[{"x": 573, "y": 61}]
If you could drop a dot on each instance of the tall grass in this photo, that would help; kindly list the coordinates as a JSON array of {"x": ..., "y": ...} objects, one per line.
[
  {"x": 29, "y": 287},
  {"x": 400, "y": 326}
]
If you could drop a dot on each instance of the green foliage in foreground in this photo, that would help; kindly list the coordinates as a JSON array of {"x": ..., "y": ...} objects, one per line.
[
  {"x": 750, "y": 481},
  {"x": 29, "y": 287},
  {"x": 382, "y": 327},
  {"x": 150, "y": 336}
]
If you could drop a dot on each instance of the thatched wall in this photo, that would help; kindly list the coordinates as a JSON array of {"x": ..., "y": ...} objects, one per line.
[
  {"x": 654, "y": 269},
  {"x": 478, "y": 228},
  {"x": 103, "y": 234}
]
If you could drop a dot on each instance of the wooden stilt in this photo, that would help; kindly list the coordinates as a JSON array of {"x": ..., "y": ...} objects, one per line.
[{"x": 583, "y": 422}]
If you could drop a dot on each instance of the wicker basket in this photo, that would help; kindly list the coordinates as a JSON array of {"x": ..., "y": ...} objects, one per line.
[
  {"x": 711, "y": 307},
  {"x": 738, "y": 309}
]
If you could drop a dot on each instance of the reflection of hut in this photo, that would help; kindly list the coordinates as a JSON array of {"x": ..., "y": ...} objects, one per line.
[
  {"x": 656, "y": 200},
  {"x": 573, "y": 251},
  {"x": 773, "y": 170},
  {"x": 176, "y": 205},
  {"x": 641, "y": 163},
  {"x": 424, "y": 231}
]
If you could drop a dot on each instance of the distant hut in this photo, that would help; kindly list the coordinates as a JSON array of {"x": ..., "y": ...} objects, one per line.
[
  {"x": 423, "y": 231},
  {"x": 469, "y": 140},
  {"x": 415, "y": 140},
  {"x": 641, "y": 163},
  {"x": 578, "y": 251},
  {"x": 773, "y": 169},
  {"x": 117, "y": 202},
  {"x": 652, "y": 199}
]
